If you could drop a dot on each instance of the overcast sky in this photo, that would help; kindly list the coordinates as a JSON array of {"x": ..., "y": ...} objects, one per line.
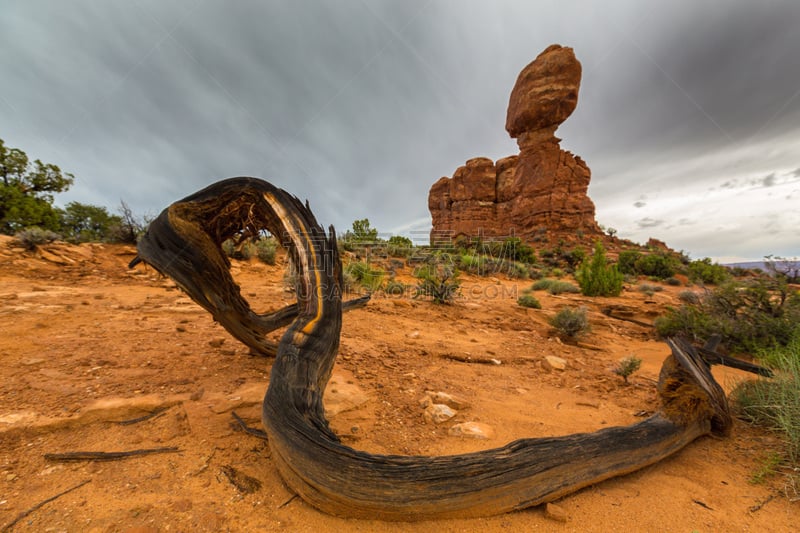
[{"x": 688, "y": 114}]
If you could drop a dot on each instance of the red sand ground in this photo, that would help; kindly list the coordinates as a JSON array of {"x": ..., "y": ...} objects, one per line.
[{"x": 87, "y": 343}]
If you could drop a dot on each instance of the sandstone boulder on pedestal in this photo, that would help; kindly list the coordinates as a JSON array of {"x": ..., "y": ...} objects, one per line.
[{"x": 544, "y": 187}]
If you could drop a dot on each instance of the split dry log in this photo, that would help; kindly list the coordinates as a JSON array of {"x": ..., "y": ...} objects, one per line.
[{"x": 184, "y": 243}]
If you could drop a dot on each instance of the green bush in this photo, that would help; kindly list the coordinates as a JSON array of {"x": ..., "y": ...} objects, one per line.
[
  {"x": 528, "y": 300},
  {"x": 360, "y": 273},
  {"x": 554, "y": 286},
  {"x": 571, "y": 323},
  {"x": 689, "y": 297},
  {"x": 775, "y": 403},
  {"x": 395, "y": 288},
  {"x": 574, "y": 257},
  {"x": 659, "y": 265},
  {"x": 34, "y": 236},
  {"x": 703, "y": 271},
  {"x": 626, "y": 262},
  {"x": 399, "y": 246},
  {"x": 473, "y": 263},
  {"x": 438, "y": 278},
  {"x": 515, "y": 270},
  {"x": 674, "y": 282},
  {"x": 596, "y": 277},
  {"x": 266, "y": 250},
  {"x": 750, "y": 315}
]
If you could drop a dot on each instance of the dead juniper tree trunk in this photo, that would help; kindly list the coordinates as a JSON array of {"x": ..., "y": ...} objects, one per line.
[{"x": 342, "y": 481}]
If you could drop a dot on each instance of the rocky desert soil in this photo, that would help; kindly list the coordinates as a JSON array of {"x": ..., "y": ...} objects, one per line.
[{"x": 88, "y": 347}]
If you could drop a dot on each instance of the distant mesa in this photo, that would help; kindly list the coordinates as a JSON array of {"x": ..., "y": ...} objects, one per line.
[{"x": 542, "y": 191}]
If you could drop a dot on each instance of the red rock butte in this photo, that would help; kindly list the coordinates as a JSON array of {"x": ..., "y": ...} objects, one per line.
[{"x": 542, "y": 191}]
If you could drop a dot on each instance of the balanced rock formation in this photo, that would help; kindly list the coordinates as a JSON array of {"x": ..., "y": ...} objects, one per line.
[{"x": 543, "y": 190}]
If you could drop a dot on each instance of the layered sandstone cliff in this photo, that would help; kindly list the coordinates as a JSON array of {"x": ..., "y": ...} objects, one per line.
[{"x": 543, "y": 190}]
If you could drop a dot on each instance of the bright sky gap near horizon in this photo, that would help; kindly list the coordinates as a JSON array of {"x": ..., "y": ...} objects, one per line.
[{"x": 688, "y": 113}]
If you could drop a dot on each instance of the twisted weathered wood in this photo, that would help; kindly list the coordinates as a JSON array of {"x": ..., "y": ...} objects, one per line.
[{"x": 184, "y": 244}]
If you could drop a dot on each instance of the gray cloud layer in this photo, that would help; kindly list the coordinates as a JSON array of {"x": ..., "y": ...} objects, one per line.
[{"x": 361, "y": 105}]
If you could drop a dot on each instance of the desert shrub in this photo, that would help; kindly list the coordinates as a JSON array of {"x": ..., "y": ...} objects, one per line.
[
  {"x": 473, "y": 263},
  {"x": 649, "y": 289},
  {"x": 775, "y": 403},
  {"x": 516, "y": 250},
  {"x": 749, "y": 315},
  {"x": 628, "y": 366},
  {"x": 574, "y": 257},
  {"x": 515, "y": 270},
  {"x": 438, "y": 278},
  {"x": 529, "y": 300},
  {"x": 246, "y": 250},
  {"x": 399, "y": 246},
  {"x": 596, "y": 277},
  {"x": 395, "y": 288},
  {"x": 35, "y": 236},
  {"x": 554, "y": 286},
  {"x": 360, "y": 273},
  {"x": 228, "y": 247},
  {"x": 689, "y": 297},
  {"x": 626, "y": 261},
  {"x": 266, "y": 250},
  {"x": 674, "y": 282},
  {"x": 657, "y": 264},
  {"x": 571, "y": 323},
  {"x": 704, "y": 271}
]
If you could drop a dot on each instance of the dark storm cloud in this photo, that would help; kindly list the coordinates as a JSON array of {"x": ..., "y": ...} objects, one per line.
[
  {"x": 361, "y": 105},
  {"x": 648, "y": 222}
]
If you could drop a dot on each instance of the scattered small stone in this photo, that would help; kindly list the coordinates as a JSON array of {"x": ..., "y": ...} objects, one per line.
[
  {"x": 449, "y": 400},
  {"x": 555, "y": 512},
  {"x": 11, "y": 477},
  {"x": 472, "y": 430},
  {"x": 196, "y": 395},
  {"x": 413, "y": 335},
  {"x": 438, "y": 413},
  {"x": 180, "y": 329},
  {"x": 216, "y": 343},
  {"x": 551, "y": 362}
]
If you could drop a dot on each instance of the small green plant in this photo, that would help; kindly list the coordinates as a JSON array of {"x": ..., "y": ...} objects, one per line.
[
  {"x": 627, "y": 366},
  {"x": 473, "y": 263},
  {"x": 395, "y": 288},
  {"x": 571, "y": 323},
  {"x": 438, "y": 278},
  {"x": 360, "y": 273},
  {"x": 768, "y": 468},
  {"x": 689, "y": 297},
  {"x": 596, "y": 277},
  {"x": 266, "y": 250},
  {"x": 704, "y": 271},
  {"x": 649, "y": 289},
  {"x": 674, "y": 282},
  {"x": 530, "y": 301},
  {"x": 399, "y": 246},
  {"x": 35, "y": 236},
  {"x": 554, "y": 286},
  {"x": 229, "y": 247}
]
